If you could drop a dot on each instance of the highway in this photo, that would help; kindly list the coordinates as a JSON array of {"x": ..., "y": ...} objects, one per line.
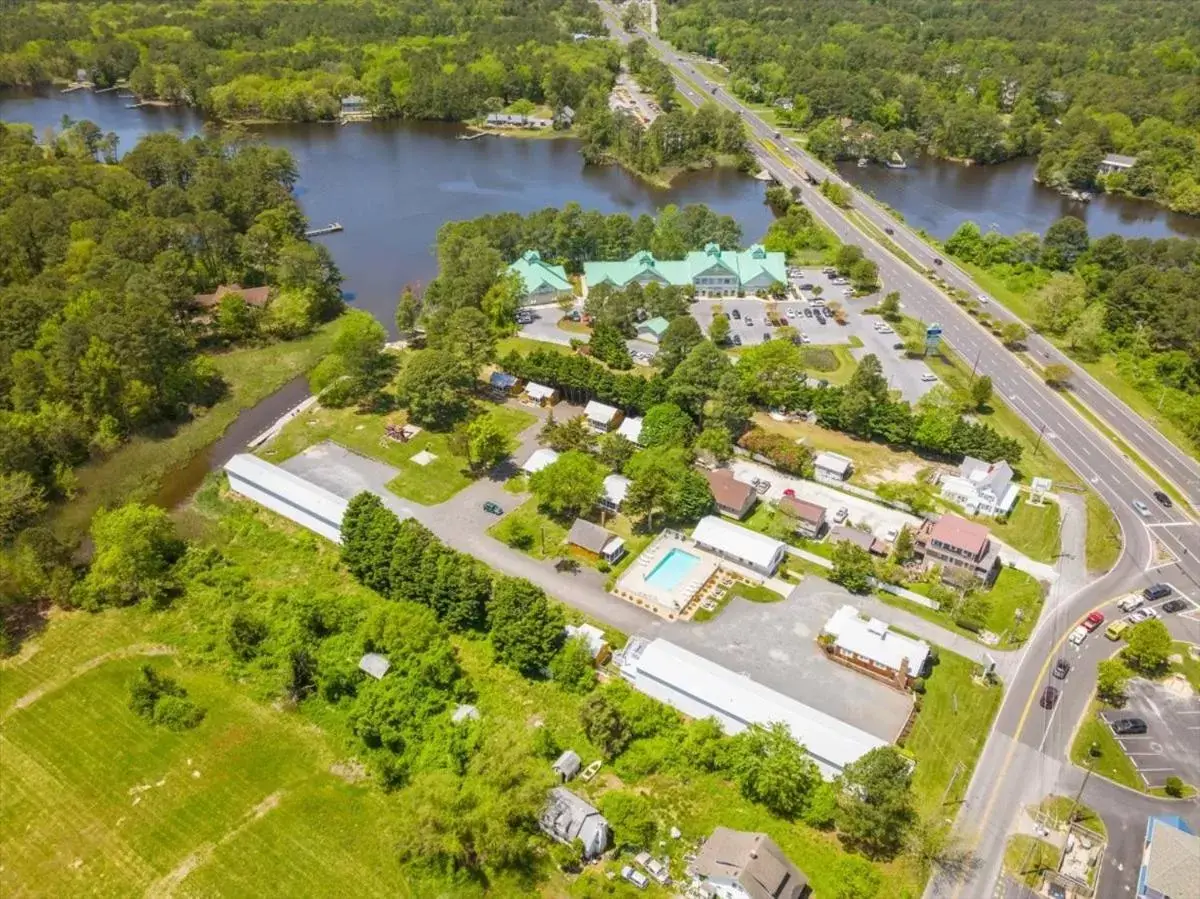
[{"x": 1023, "y": 752}]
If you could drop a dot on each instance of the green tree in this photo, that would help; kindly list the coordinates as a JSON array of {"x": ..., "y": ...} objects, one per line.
[
  {"x": 836, "y": 194},
  {"x": 22, "y": 499},
  {"x": 572, "y": 668},
  {"x": 526, "y": 627},
  {"x": 407, "y": 311},
  {"x": 681, "y": 335},
  {"x": 666, "y": 425},
  {"x": 236, "y": 319},
  {"x": 1112, "y": 676},
  {"x": 467, "y": 334},
  {"x": 436, "y": 385},
  {"x": 604, "y": 723},
  {"x": 631, "y": 816},
  {"x": 1086, "y": 336},
  {"x": 772, "y": 768},
  {"x": 876, "y": 803},
  {"x": 980, "y": 392},
  {"x": 715, "y": 442},
  {"x": 616, "y": 450},
  {"x": 864, "y": 276},
  {"x": 1149, "y": 647},
  {"x": 852, "y": 567},
  {"x": 572, "y": 434},
  {"x": 902, "y": 549},
  {"x": 889, "y": 306},
  {"x": 1013, "y": 335},
  {"x": 1064, "y": 242},
  {"x": 489, "y": 444},
  {"x": 1057, "y": 375},
  {"x": 569, "y": 486},
  {"x": 134, "y": 553},
  {"x": 718, "y": 329},
  {"x": 1059, "y": 303},
  {"x": 369, "y": 532},
  {"x": 853, "y": 877}
]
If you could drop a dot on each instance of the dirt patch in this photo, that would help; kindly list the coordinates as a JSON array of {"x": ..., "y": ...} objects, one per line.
[
  {"x": 351, "y": 771},
  {"x": 902, "y": 472},
  {"x": 137, "y": 649},
  {"x": 1177, "y": 685}
]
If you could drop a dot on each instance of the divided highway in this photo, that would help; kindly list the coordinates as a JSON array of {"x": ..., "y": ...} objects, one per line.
[{"x": 1025, "y": 750}]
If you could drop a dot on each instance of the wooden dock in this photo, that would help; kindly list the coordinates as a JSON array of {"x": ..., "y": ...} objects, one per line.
[{"x": 331, "y": 228}]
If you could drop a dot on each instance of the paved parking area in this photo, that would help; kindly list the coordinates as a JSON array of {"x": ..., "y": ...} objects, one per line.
[
  {"x": 1173, "y": 732},
  {"x": 775, "y": 644}
]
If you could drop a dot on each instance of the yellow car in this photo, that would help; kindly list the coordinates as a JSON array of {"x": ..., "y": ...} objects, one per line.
[{"x": 1114, "y": 630}]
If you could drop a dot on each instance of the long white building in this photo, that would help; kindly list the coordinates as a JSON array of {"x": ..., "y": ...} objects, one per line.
[
  {"x": 702, "y": 689},
  {"x": 292, "y": 497}
]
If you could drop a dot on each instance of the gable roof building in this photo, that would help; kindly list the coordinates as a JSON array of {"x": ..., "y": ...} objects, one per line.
[
  {"x": 982, "y": 488},
  {"x": 305, "y": 503},
  {"x": 566, "y": 818},
  {"x": 615, "y": 488},
  {"x": 870, "y": 645},
  {"x": 653, "y": 329},
  {"x": 738, "y": 544},
  {"x": 374, "y": 664},
  {"x": 596, "y": 540},
  {"x": 712, "y": 271},
  {"x": 567, "y": 765},
  {"x": 543, "y": 282},
  {"x": 539, "y": 459},
  {"x": 1170, "y": 866},
  {"x": 733, "y": 497},
  {"x": 631, "y": 430},
  {"x": 809, "y": 518},
  {"x": 601, "y": 417},
  {"x": 541, "y": 394},
  {"x": 748, "y": 866},
  {"x": 957, "y": 545},
  {"x": 831, "y": 468}
]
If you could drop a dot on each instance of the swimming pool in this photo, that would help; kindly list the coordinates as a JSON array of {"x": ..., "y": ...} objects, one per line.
[{"x": 672, "y": 569}]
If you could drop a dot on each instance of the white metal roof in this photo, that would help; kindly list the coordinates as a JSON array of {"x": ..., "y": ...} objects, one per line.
[
  {"x": 703, "y": 689},
  {"x": 592, "y": 635},
  {"x": 281, "y": 491},
  {"x": 539, "y": 459},
  {"x": 595, "y": 411},
  {"x": 755, "y": 548},
  {"x": 538, "y": 391},
  {"x": 615, "y": 488},
  {"x": 873, "y": 639},
  {"x": 631, "y": 429},
  {"x": 833, "y": 462}
]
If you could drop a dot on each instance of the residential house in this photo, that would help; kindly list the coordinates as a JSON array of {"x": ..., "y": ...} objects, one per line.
[
  {"x": 567, "y": 818},
  {"x": 539, "y": 459},
  {"x": 567, "y": 765},
  {"x": 739, "y": 545},
  {"x": 374, "y": 664},
  {"x": 596, "y": 541},
  {"x": 868, "y": 541},
  {"x": 832, "y": 468},
  {"x": 253, "y": 296},
  {"x": 734, "y": 864},
  {"x": 595, "y": 640},
  {"x": 982, "y": 488},
  {"x": 961, "y": 547},
  {"x": 869, "y": 645},
  {"x": 503, "y": 383},
  {"x": 600, "y": 417},
  {"x": 615, "y": 488},
  {"x": 653, "y": 329},
  {"x": 631, "y": 430},
  {"x": 565, "y": 117},
  {"x": 733, "y": 497},
  {"x": 541, "y": 394},
  {"x": 1170, "y": 866},
  {"x": 1115, "y": 162},
  {"x": 712, "y": 272},
  {"x": 541, "y": 281},
  {"x": 516, "y": 120},
  {"x": 354, "y": 103},
  {"x": 808, "y": 518}
]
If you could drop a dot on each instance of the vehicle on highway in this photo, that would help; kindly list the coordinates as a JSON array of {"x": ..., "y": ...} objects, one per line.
[
  {"x": 735, "y": 314},
  {"x": 1114, "y": 630},
  {"x": 983, "y": 298},
  {"x": 1155, "y": 592},
  {"x": 1175, "y": 605},
  {"x": 1163, "y": 499},
  {"x": 928, "y": 377},
  {"x": 492, "y": 508},
  {"x": 776, "y": 135},
  {"x": 1141, "y": 508},
  {"x": 1049, "y": 697},
  {"x": 886, "y": 330},
  {"x": 1061, "y": 669},
  {"x": 840, "y": 515},
  {"x": 1128, "y": 727},
  {"x": 1078, "y": 636},
  {"x": 937, "y": 260},
  {"x": 1093, "y": 621},
  {"x": 889, "y": 230},
  {"x": 1131, "y": 602}
]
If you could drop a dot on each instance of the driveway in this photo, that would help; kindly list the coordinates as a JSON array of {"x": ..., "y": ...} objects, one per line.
[
  {"x": 1168, "y": 748},
  {"x": 545, "y": 326}
]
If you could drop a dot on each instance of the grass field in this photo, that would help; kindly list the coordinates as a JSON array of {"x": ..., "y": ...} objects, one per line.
[
  {"x": 1030, "y": 529},
  {"x": 1110, "y": 760},
  {"x": 1027, "y": 857},
  {"x": 1187, "y": 666},
  {"x": 527, "y": 529},
  {"x": 833, "y": 363},
  {"x": 1059, "y": 809},
  {"x": 870, "y": 459},
  {"x": 139, "y": 468},
  {"x": 1013, "y": 590}
]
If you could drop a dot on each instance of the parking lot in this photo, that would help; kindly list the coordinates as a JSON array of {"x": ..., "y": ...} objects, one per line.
[{"x": 1172, "y": 732}]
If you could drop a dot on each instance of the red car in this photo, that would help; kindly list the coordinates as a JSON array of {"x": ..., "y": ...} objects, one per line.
[
  {"x": 1093, "y": 621},
  {"x": 789, "y": 492}
]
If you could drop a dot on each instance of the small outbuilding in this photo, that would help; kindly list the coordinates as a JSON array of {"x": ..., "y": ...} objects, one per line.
[
  {"x": 653, "y": 329},
  {"x": 631, "y": 430},
  {"x": 503, "y": 383},
  {"x": 541, "y": 394},
  {"x": 567, "y": 765},
  {"x": 595, "y": 640},
  {"x": 539, "y": 459},
  {"x": 832, "y": 468},
  {"x": 374, "y": 665},
  {"x": 615, "y": 488},
  {"x": 596, "y": 541},
  {"x": 601, "y": 418}
]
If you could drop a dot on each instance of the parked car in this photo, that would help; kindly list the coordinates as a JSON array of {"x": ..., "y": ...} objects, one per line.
[
  {"x": 929, "y": 377},
  {"x": 819, "y": 317},
  {"x": 840, "y": 515},
  {"x": 749, "y": 322},
  {"x": 1131, "y": 602},
  {"x": 736, "y": 339},
  {"x": 887, "y": 329},
  {"x": 1141, "y": 508},
  {"x": 1175, "y": 605},
  {"x": 891, "y": 534},
  {"x": 1093, "y": 621},
  {"x": 736, "y": 314},
  {"x": 789, "y": 492},
  {"x": 1078, "y": 636},
  {"x": 808, "y": 313},
  {"x": 637, "y": 878},
  {"x": 898, "y": 346},
  {"x": 806, "y": 287},
  {"x": 983, "y": 298},
  {"x": 524, "y": 318},
  {"x": 1116, "y": 629},
  {"x": 1142, "y": 615},
  {"x": 761, "y": 487},
  {"x": 1128, "y": 727},
  {"x": 1061, "y": 669},
  {"x": 1163, "y": 499},
  {"x": 848, "y": 292},
  {"x": 766, "y": 336},
  {"x": 1155, "y": 592},
  {"x": 1049, "y": 697},
  {"x": 492, "y": 509}
]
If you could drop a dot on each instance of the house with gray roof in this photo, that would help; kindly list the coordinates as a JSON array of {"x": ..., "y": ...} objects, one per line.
[
  {"x": 567, "y": 818},
  {"x": 734, "y": 864},
  {"x": 567, "y": 765},
  {"x": 595, "y": 540}
]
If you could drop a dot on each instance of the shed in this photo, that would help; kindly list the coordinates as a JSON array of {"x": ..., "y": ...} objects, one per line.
[
  {"x": 631, "y": 430},
  {"x": 374, "y": 664},
  {"x": 653, "y": 329},
  {"x": 598, "y": 541},
  {"x": 541, "y": 394},
  {"x": 503, "y": 381},
  {"x": 601, "y": 417},
  {"x": 568, "y": 765},
  {"x": 539, "y": 459},
  {"x": 593, "y": 637},
  {"x": 615, "y": 488},
  {"x": 831, "y": 468}
]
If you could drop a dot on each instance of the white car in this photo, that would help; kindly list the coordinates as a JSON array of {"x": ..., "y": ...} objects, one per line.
[
  {"x": 637, "y": 878},
  {"x": 840, "y": 515},
  {"x": 1141, "y": 508},
  {"x": 928, "y": 377},
  {"x": 1078, "y": 636},
  {"x": 983, "y": 298},
  {"x": 1131, "y": 602},
  {"x": 886, "y": 329},
  {"x": 848, "y": 292},
  {"x": 1142, "y": 615},
  {"x": 891, "y": 534},
  {"x": 791, "y": 313}
]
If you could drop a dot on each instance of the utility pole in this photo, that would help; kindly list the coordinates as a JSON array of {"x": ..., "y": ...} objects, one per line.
[
  {"x": 958, "y": 769},
  {"x": 1036, "y": 446}
]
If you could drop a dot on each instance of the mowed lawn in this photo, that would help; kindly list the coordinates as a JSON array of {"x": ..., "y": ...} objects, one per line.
[
  {"x": 1032, "y": 530},
  {"x": 97, "y": 801}
]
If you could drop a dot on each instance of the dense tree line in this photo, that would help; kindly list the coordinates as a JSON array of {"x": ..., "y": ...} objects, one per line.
[
  {"x": 433, "y": 59},
  {"x": 100, "y": 264},
  {"x": 1134, "y": 299},
  {"x": 985, "y": 82}
]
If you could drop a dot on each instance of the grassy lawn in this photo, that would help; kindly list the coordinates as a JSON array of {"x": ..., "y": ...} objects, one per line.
[
  {"x": 1110, "y": 760},
  {"x": 1103, "y": 546},
  {"x": 1105, "y": 371},
  {"x": 527, "y": 345},
  {"x": 1027, "y": 857},
  {"x": 1014, "y": 590},
  {"x": 1188, "y": 666},
  {"x": 953, "y": 724},
  {"x": 1059, "y": 809},
  {"x": 530, "y": 531},
  {"x": 1030, "y": 529},
  {"x": 832, "y": 363},
  {"x": 138, "y": 470},
  {"x": 364, "y": 433}
]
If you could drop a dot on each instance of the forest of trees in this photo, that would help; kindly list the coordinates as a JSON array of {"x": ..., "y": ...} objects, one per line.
[
  {"x": 423, "y": 59},
  {"x": 1134, "y": 299},
  {"x": 987, "y": 82},
  {"x": 99, "y": 336}
]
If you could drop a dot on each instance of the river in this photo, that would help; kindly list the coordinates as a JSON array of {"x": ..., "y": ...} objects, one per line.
[{"x": 938, "y": 196}]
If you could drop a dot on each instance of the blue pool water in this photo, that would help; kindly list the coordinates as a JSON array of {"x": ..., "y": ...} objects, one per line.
[{"x": 672, "y": 569}]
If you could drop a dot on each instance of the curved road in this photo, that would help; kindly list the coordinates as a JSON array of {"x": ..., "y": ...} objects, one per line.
[{"x": 1025, "y": 749}]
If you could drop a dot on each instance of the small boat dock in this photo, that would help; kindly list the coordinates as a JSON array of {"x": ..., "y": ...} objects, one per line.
[{"x": 331, "y": 228}]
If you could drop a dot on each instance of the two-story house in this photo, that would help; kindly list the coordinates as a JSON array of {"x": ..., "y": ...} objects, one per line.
[{"x": 959, "y": 546}]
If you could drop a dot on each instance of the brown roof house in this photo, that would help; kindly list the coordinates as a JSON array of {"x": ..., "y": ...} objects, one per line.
[
  {"x": 961, "y": 547},
  {"x": 733, "y": 864},
  {"x": 734, "y": 498},
  {"x": 864, "y": 539},
  {"x": 807, "y": 518},
  {"x": 254, "y": 296},
  {"x": 596, "y": 541}
]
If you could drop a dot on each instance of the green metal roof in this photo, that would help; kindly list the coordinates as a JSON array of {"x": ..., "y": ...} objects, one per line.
[
  {"x": 745, "y": 265},
  {"x": 535, "y": 273},
  {"x": 658, "y": 325}
]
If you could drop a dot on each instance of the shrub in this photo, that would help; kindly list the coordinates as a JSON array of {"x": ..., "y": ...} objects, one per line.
[
  {"x": 603, "y": 566},
  {"x": 918, "y": 686},
  {"x": 1173, "y": 787},
  {"x": 969, "y": 624},
  {"x": 177, "y": 714}
]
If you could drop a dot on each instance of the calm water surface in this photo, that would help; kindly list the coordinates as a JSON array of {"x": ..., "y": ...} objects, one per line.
[
  {"x": 938, "y": 196},
  {"x": 393, "y": 184}
]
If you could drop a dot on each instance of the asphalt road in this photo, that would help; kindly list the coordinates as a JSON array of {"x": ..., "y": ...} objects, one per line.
[{"x": 1025, "y": 749}]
